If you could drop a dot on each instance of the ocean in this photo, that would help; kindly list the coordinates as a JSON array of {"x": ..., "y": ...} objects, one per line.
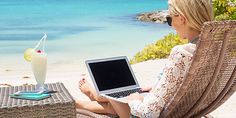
[{"x": 78, "y": 29}]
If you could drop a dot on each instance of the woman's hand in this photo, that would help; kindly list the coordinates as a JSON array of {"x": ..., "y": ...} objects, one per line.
[{"x": 135, "y": 96}]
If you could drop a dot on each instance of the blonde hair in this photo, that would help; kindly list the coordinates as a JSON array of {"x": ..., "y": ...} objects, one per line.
[{"x": 196, "y": 12}]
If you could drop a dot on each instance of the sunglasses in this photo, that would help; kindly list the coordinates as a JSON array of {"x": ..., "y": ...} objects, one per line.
[{"x": 169, "y": 20}]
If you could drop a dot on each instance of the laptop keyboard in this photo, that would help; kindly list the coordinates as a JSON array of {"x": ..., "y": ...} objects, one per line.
[{"x": 124, "y": 93}]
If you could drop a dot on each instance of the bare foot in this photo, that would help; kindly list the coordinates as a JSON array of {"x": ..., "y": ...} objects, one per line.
[{"x": 86, "y": 88}]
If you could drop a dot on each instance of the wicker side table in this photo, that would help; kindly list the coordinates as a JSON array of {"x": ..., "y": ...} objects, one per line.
[{"x": 60, "y": 105}]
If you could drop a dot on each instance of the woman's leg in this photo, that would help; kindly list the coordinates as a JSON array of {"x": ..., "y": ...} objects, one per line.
[
  {"x": 122, "y": 109},
  {"x": 86, "y": 88},
  {"x": 111, "y": 107},
  {"x": 96, "y": 107}
]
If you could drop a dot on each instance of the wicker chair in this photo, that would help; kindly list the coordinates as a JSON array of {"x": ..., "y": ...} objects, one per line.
[{"x": 212, "y": 76}]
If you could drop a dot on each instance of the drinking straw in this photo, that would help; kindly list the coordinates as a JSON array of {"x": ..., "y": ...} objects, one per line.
[
  {"x": 42, "y": 39},
  {"x": 45, "y": 36}
]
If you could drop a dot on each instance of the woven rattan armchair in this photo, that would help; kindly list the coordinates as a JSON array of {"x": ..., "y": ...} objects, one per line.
[{"x": 211, "y": 79}]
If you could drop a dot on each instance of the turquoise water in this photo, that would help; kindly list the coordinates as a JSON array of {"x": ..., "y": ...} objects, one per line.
[{"x": 78, "y": 29}]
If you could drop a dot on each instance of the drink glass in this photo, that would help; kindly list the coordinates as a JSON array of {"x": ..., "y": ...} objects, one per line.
[
  {"x": 39, "y": 67},
  {"x": 38, "y": 59}
]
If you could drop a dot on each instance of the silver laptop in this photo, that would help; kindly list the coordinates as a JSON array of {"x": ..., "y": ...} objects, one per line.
[{"x": 113, "y": 77}]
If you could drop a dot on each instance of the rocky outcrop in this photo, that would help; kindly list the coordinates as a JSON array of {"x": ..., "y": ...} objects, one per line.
[{"x": 157, "y": 16}]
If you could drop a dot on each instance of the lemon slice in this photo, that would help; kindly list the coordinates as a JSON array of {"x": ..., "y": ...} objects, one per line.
[{"x": 28, "y": 54}]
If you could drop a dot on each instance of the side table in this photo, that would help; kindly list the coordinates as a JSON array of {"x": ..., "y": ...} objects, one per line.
[{"x": 59, "y": 105}]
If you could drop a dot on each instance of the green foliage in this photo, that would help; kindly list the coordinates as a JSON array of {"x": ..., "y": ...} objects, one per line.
[
  {"x": 225, "y": 9},
  {"x": 160, "y": 49}
]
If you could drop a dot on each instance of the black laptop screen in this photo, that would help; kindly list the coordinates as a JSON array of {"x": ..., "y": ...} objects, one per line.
[{"x": 112, "y": 74}]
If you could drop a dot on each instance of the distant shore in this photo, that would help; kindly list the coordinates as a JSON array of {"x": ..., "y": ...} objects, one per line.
[{"x": 155, "y": 16}]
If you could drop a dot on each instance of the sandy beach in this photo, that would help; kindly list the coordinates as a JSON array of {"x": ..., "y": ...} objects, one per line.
[{"x": 70, "y": 74}]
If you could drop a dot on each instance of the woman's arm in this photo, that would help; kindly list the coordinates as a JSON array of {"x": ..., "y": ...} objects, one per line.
[{"x": 171, "y": 79}]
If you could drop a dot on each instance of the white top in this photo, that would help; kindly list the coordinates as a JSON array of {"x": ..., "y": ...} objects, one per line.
[{"x": 171, "y": 79}]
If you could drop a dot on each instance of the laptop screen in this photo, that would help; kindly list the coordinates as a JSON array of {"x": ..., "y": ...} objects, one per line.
[{"x": 111, "y": 74}]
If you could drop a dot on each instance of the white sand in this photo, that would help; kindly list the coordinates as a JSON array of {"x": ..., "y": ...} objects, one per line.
[{"x": 70, "y": 74}]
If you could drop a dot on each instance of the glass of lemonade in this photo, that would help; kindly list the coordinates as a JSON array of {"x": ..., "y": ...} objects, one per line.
[
  {"x": 38, "y": 59},
  {"x": 39, "y": 67}
]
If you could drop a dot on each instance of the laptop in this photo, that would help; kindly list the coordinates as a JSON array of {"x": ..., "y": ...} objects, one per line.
[{"x": 113, "y": 77}]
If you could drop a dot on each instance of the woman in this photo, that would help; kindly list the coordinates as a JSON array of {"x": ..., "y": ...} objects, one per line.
[{"x": 187, "y": 18}]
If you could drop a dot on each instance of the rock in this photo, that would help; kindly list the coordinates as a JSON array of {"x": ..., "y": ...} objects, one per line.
[
  {"x": 26, "y": 77},
  {"x": 157, "y": 16},
  {"x": 7, "y": 70}
]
